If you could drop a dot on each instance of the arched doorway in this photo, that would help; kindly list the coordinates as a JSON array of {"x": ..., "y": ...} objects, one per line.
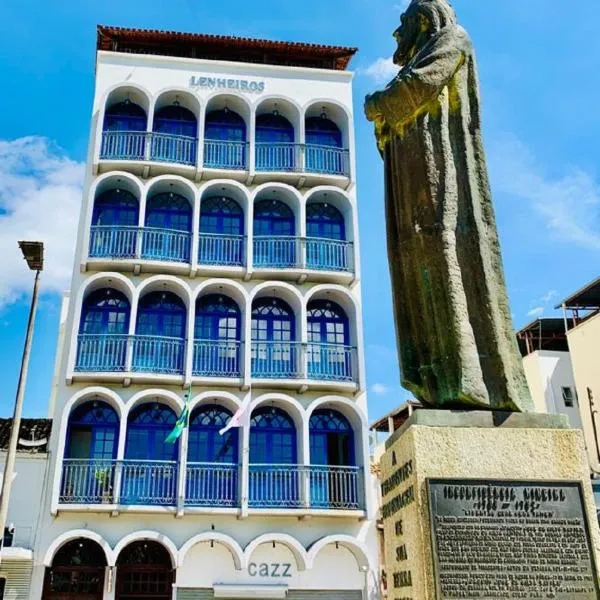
[
  {"x": 275, "y": 149},
  {"x": 77, "y": 572},
  {"x": 221, "y": 232},
  {"x": 144, "y": 571},
  {"x": 224, "y": 140},
  {"x": 274, "y": 235},
  {"x": 324, "y": 146},
  {"x": 175, "y": 134},
  {"x": 124, "y": 132},
  {"x": 326, "y": 234}
]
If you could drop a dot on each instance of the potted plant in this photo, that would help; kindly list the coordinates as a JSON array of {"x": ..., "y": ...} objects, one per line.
[{"x": 103, "y": 480}]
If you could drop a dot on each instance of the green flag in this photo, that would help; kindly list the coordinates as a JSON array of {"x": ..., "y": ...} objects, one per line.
[{"x": 182, "y": 422}]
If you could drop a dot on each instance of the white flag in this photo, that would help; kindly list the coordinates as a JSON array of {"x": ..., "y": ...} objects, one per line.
[{"x": 240, "y": 416}]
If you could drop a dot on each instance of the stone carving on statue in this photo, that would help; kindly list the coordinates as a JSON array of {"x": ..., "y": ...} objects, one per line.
[{"x": 454, "y": 328}]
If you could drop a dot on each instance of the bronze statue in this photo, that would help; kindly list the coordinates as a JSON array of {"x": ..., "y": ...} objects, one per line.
[{"x": 454, "y": 328}]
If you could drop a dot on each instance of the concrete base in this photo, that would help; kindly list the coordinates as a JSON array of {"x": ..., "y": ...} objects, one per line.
[{"x": 468, "y": 446}]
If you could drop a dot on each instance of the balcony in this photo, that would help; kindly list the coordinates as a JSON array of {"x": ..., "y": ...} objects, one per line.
[
  {"x": 101, "y": 353},
  {"x": 329, "y": 255},
  {"x": 123, "y": 145},
  {"x": 330, "y": 362},
  {"x": 86, "y": 481},
  {"x": 177, "y": 149},
  {"x": 221, "y": 250},
  {"x": 327, "y": 160},
  {"x": 225, "y": 155},
  {"x": 148, "y": 483},
  {"x": 284, "y": 157},
  {"x": 277, "y": 252},
  {"x": 276, "y": 360},
  {"x": 157, "y": 354},
  {"x": 211, "y": 484},
  {"x": 215, "y": 358}
]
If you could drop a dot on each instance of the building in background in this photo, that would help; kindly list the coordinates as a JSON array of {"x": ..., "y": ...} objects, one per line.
[
  {"x": 17, "y": 544},
  {"x": 218, "y": 252}
]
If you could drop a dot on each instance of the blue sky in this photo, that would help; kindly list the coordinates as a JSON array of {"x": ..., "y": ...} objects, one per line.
[{"x": 539, "y": 69}]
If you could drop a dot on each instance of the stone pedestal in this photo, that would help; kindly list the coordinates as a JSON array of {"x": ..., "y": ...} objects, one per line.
[{"x": 513, "y": 512}]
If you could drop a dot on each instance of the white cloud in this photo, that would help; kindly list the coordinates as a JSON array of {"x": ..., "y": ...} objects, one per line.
[
  {"x": 538, "y": 311},
  {"x": 569, "y": 205},
  {"x": 40, "y": 196},
  {"x": 549, "y": 296},
  {"x": 381, "y": 71},
  {"x": 380, "y": 389}
]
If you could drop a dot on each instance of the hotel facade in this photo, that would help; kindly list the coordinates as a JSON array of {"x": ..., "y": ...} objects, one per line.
[{"x": 216, "y": 274}]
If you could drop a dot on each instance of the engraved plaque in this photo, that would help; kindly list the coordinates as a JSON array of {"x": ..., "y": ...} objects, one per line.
[{"x": 510, "y": 539}]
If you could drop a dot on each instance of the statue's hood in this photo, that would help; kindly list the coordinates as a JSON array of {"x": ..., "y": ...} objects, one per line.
[{"x": 439, "y": 12}]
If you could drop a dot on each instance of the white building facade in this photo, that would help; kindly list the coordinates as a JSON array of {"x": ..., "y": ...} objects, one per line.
[{"x": 216, "y": 274}]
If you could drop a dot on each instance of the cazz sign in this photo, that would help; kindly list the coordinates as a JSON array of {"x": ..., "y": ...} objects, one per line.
[{"x": 273, "y": 570}]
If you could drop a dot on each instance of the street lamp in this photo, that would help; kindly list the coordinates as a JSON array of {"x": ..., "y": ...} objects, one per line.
[{"x": 33, "y": 253}]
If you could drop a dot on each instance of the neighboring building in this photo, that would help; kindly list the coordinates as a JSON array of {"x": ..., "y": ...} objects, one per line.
[
  {"x": 218, "y": 249},
  {"x": 548, "y": 368},
  {"x": 30, "y": 479}
]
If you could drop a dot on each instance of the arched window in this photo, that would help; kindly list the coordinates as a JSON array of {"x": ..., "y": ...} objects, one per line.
[
  {"x": 93, "y": 432},
  {"x": 275, "y": 149},
  {"x": 325, "y": 229},
  {"x": 176, "y": 132},
  {"x": 217, "y": 335},
  {"x": 274, "y": 230},
  {"x": 331, "y": 439},
  {"x": 324, "y": 221},
  {"x": 125, "y": 116},
  {"x": 221, "y": 231},
  {"x": 114, "y": 208},
  {"x": 168, "y": 225},
  {"x": 224, "y": 140},
  {"x": 160, "y": 315},
  {"x": 149, "y": 472},
  {"x": 321, "y": 131},
  {"x": 77, "y": 571},
  {"x": 329, "y": 355},
  {"x": 324, "y": 147},
  {"x": 144, "y": 570}
]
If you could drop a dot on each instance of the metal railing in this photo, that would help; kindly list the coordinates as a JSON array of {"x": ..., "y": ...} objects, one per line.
[
  {"x": 329, "y": 255},
  {"x": 219, "y": 154},
  {"x": 123, "y": 145},
  {"x": 276, "y": 360},
  {"x": 217, "y": 358},
  {"x": 171, "y": 148},
  {"x": 279, "y": 252},
  {"x": 87, "y": 481},
  {"x": 158, "y": 354},
  {"x": 211, "y": 484},
  {"x": 148, "y": 482},
  {"x": 330, "y": 362},
  {"x": 220, "y": 249},
  {"x": 168, "y": 245},
  {"x": 278, "y": 157},
  {"x": 335, "y": 487},
  {"x": 327, "y": 160},
  {"x": 275, "y": 486},
  {"x": 108, "y": 241},
  {"x": 101, "y": 352}
]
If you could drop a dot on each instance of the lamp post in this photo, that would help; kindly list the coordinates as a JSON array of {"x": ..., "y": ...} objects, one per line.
[{"x": 33, "y": 253}]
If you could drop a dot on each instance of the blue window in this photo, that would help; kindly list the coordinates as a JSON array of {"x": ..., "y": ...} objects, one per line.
[
  {"x": 116, "y": 208},
  {"x": 176, "y": 131},
  {"x": 274, "y": 230},
  {"x": 125, "y": 116},
  {"x": 324, "y": 152},
  {"x": 272, "y": 437},
  {"x": 105, "y": 311},
  {"x": 161, "y": 331},
  {"x": 124, "y": 132},
  {"x": 221, "y": 231},
  {"x": 168, "y": 226},
  {"x": 206, "y": 444},
  {"x": 275, "y": 149},
  {"x": 320, "y": 131},
  {"x": 217, "y": 318},
  {"x": 331, "y": 439},
  {"x": 93, "y": 432},
  {"x": 224, "y": 140},
  {"x": 324, "y": 221},
  {"x": 148, "y": 427}
]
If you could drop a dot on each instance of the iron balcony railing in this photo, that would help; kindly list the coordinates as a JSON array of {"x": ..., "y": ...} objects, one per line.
[
  {"x": 219, "y": 154},
  {"x": 123, "y": 145},
  {"x": 279, "y": 251},
  {"x": 158, "y": 354},
  {"x": 327, "y": 160},
  {"x": 148, "y": 243},
  {"x": 338, "y": 488},
  {"x": 87, "y": 481},
  {"x": 329, "y": 255},
  {"x": 217, "y": 358},
  {"x": 220, "y": 249},
  {"x": 171, "y": 148},
  {"x": 211, "y": 484},
  {"x": 101, "y": 352},
  {"x": 275, "y": 486},
  {"x": 148, "y": 482},
  {"x": 276, "y": 360},
  {"x": 278, "y": 157},
  {"x": 330, "y": 362}
]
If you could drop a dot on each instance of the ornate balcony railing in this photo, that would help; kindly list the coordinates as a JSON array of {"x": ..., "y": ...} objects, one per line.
[
  {"x": 329, "y": 255},
  {"x": 278, "y": 157},
  {"x": 219, "y": 249},
  {"x": 279, "y": 252},
  {"x": 87, "y": 481},
  {"x": 331, "y": 362},
  {"x": 108, "y": 241},
  {"x": 123, "y": 145},
  {"x": 101, "y": 352},
  {"x": 220, "y": 154},
  {"x": 148, "y": 482},
  {"x": 169, "y": 245},
  {"x": 217, "y": 358},
  {"x": 211, "y": 484},
  {"x": 327, "y": 160},
  {"x": 276, "y": 360},
  {"x": 157, "y": 354},
  {"x": 335, "y": 487},
  {"x": 275, "y": 486},
  {"x": 171, "y": 148}
]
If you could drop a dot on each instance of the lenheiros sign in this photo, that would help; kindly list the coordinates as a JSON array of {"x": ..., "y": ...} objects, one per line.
[{"x": 220, "y": 83}]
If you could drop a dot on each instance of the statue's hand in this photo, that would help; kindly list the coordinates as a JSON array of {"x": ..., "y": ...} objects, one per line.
[{"x": 372, "y": 111}]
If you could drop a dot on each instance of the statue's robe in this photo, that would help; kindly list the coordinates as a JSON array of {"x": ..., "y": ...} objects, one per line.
[{"x": 454, "y": 329}]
